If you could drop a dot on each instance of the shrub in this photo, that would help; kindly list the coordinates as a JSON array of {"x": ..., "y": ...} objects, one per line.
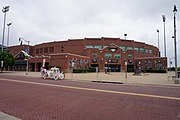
[
  {"x": 130, "y": 69},
  {"x": 173, "y": 69},
  {"x": 84, "y": 70},
  {"x": 178, "y": 69},
  {"x": 156, "y": 71}
]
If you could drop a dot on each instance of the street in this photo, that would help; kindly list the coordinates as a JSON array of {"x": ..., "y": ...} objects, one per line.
[{"x": 32, "y": 98}]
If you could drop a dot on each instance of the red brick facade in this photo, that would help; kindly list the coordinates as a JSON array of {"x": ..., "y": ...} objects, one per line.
[{"x": 90, "y": 52}]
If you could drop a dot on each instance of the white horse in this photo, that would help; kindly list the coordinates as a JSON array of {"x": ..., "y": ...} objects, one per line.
[{"x": 43, "y": 71}]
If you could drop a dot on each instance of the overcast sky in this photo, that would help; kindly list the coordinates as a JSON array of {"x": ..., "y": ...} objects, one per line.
[{"x": 54, "y": 20}]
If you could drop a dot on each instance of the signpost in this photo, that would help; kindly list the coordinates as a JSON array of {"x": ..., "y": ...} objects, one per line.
[
  {"x": 126, "y": 71},
  {"x": 96, "y": 72},
  {"x": 44, "y": 61},
  {"x": 2, "y": 65},
  {"x": 72, "y": 65}
]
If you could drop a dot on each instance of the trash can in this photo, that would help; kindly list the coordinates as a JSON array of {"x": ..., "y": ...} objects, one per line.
[
  {"x": 178, "y": 74},
  {"x": 177, "y": 80}
]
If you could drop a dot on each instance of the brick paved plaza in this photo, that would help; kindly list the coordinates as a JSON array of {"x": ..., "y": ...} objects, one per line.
[{"x": 30, "y": 97}]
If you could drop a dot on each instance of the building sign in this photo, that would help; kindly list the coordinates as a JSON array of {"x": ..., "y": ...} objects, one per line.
[
  {"x": 94, "y": 60},
  {"x": 130, "y": 61},
  {"x": 113, "y": 49},
  {"x": 112, "y": 61}
]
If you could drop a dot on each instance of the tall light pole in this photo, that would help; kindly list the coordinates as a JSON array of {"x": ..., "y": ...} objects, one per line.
[
  {"x": 26, "y": 55},
  {"x": 125, "y": 61},
  {"x": 4, "y": 10},
  {"x": 175, "y": 49},
  {"x": 164, "y": 20},
  {"x": 9, "y": 24}
]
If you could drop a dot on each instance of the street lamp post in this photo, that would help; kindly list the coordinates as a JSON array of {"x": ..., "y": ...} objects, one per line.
[
  {"x": 126, "y": 70},
  {"x": 106, "y": 67},
  {"x": 158, "y": 36},
  {"x": 175, "y": 49},
  {"x": 125, "y": 61},
  {"x": 164, "y": 20},
  {"x": 143, "y": 62},
  {"x": 9, "y": 24},
  {"x": 158, "y": 41},
  {"x": 27, "y": 65},
  {"x": 4, "y": 10}
]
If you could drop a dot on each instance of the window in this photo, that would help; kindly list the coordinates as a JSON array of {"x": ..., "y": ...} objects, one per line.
[
  {"x": 141, "y": 49},
  {"x": 123, "y": 48},
  {"x": 46, "y": 50},
  {"x": 117, "y": 55},
  {"x": 129, "y": 55},
  {"x": 89, "y": 46},
  {"x": 150, "y": 51},
  {"x": 41, "y": 50},
  {"x": 137, "y": 49},
  {"x": 95, "y": 46},
  {"x": 51, "y": 49},
  {"x": 94, "y": 55},
  {"x": 146, "y": 50},
  {"x": 108, "y": 55},
  {"x": 98, "y": 46},
  {"x": 37, "y": 51},
  {"x": 129, "y": 48}
]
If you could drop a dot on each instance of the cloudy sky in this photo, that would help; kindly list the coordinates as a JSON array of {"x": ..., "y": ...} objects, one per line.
[{"x": 54, "y": 20}]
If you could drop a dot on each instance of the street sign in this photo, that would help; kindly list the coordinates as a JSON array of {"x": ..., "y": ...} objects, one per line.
[{"x": 2, "y": 63}]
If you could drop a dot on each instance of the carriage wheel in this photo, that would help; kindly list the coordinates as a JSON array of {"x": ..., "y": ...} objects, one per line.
[
  {"x": 61, "y": 76},
  {"x": 44, "y": 76},
  {"x": 56, "y": 77}
]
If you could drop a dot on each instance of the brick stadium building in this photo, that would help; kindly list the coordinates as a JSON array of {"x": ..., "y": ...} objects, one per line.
[{"x": 102, "y": 52}]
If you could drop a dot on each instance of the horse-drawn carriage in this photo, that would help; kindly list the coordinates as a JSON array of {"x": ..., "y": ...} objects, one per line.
[{"x": 53, "y": 73}]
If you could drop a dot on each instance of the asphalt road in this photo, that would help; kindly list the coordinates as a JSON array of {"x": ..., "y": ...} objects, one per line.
[{"x": 31, "y": 98}]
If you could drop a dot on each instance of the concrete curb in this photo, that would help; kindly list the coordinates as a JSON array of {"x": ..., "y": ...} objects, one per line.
[{"x": 107, "y": 82}]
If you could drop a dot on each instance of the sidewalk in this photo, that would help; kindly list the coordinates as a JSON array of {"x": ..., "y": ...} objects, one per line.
[
  {"x": 4, "y": 116},
  {"x": 147, "y": 78}
]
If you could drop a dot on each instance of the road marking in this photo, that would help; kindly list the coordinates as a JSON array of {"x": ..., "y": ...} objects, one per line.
[
  {"x": 97, "y": 90},
  {"x": 154, "y": 85}
]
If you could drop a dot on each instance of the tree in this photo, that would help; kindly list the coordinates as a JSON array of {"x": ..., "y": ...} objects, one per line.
[{"x": 7, "y": 58}]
